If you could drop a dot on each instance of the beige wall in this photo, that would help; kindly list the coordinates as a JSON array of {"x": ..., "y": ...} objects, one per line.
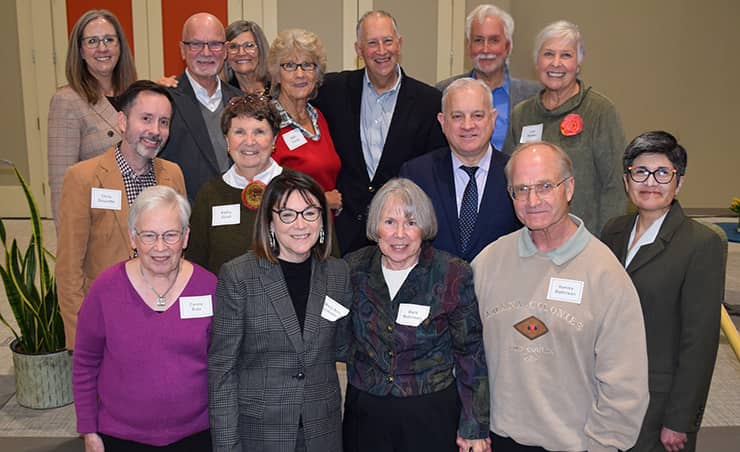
[{"x": 323, "y": 17}]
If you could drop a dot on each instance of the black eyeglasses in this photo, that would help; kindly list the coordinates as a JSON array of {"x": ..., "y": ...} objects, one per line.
[
  {"x": 288, "y": 216},
  {"x": 150, "y": 237},
  {"x": 197, "y": 46},
  {"x": 661, "y": 175},
  {"x": 305, "y": 66},
  {"x": 247, "y": 46},
  {"x": 93, "y": 42},
  {"x": 521, "y": 192}
]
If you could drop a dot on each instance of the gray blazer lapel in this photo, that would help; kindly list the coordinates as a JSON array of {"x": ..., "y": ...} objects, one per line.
[
  {"x": 315, "y": 304},
  {"x": 647, "y": 253},
  {"x": 277, "y": 291}
]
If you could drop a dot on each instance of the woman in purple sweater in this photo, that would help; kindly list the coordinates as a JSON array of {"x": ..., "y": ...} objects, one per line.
[{"x": 140, "y": 363}]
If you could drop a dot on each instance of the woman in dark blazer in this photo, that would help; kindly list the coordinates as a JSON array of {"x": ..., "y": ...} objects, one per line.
[
  {"x": 273, "y": 383},
  {"x": 676, "y": 266}
]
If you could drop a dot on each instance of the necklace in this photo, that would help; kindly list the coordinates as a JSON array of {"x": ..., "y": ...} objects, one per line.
[{"x": 161, "y": 298}]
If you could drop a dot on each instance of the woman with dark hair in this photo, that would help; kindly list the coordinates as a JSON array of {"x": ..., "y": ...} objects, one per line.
[
  {"x": 246, "y": 58},
  {"x": 273, "y": 383},
  {"x": 225, "y": 208},
  {"x": 676, "y": 265},
  {"x": 82, "y": 114},
  {"x": 418, "y": 379}
]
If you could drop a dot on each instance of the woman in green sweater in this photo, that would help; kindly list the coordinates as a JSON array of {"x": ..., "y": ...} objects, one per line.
[
  {"x": 583, "y": 122},
  {"x": 225, "y": 208}
]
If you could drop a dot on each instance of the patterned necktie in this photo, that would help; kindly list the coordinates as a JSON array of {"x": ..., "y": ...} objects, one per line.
[{"x": 468, "y": 208}]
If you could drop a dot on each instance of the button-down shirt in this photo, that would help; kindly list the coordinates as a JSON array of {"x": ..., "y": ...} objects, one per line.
[
  {"x": 287, "y": 120},
  {"x": 501, "y": 102},
  {"x": 462, "y": 178},
  {"x": 210, "y": 102},
  {"x": 376, "y": 113},
  {"x": 134, "y": 183}
]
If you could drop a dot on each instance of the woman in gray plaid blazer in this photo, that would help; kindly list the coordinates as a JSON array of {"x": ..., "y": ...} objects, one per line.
[{"x": 273, "y": 384}]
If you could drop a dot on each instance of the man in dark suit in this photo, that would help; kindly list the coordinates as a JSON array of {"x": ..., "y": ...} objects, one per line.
[
  {"x": 467, "y": 121},
  {"x": 488, "y": 35},
  {"x": 379, "y": 118},
  {"x": 196, "y": 142}
]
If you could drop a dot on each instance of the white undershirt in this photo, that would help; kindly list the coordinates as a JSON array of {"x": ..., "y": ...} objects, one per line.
[
  {"x": 647, "y": 237},
  {"x": 394, "y": 278}
]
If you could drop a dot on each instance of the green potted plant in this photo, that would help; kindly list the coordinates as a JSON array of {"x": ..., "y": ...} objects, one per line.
[{"x": 43, "y": 368}]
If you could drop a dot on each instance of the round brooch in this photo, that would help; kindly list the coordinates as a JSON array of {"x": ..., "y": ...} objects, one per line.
[
  {"x": 252, "y": 194},
  {"x": 571, "y": 125}
]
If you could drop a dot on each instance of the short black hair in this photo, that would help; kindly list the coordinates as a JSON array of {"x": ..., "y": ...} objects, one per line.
[
  {"x": 129, "y": 95},
  {"x": 656, "y": 142}
]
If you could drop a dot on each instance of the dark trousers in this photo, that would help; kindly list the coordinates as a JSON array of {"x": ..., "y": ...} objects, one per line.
[
  {"x": 200, "y": 441},
  {"x": 506, "y": 444},
  {"x": 400, "y": 424}
]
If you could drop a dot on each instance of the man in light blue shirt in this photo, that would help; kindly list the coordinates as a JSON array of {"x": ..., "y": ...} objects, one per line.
[{"x": 488, "y": 35}]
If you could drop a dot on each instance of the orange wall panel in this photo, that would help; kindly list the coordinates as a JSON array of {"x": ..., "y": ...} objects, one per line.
[
  {"x": 174, "y": 14},
  {"x": 121, "y": 9}
]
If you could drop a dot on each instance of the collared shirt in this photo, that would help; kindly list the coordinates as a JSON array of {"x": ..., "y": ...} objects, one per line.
[
  {"x": 233, "y": 179},
  {"x": 210, "y": 102},
  {"x": 462, "y": 178},
  {"x": 376, "y": 113},
  {"x": 646, "y": 238},
  {"x": 501, "y": 102},
  {"x": 134, "y": 183},
  {"x": 562, "y": 254},
  {"x": 287, "y": 120}
]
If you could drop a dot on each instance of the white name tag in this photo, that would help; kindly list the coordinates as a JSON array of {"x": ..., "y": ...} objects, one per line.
[
  {"x": 196, "y": 307},
  {"x": 223, "y": 215},
  {"x": 411, "y": 314},
  {"x": 567, "y": 290},
  {"x": 333, "y": 310},
  {"x": 294, "y": 139},
  {"x": 531, "y": 133},
  {"x": 105, "y": 198}
]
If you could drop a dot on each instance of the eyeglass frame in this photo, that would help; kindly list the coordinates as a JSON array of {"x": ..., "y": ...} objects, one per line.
[
  {"x": 248, "y": 46},
  {"x": 250, "y": 99},
  {"x": 540, "y": 193},
  {"x": 673, "y": 171},
  {"x": 302, "y": 213},
  {"x": 180, "y": 233},
  {"x": 295, "y": 66},
  {"x": 221, "y": 45},
  {"x": 108, "y": 41}
]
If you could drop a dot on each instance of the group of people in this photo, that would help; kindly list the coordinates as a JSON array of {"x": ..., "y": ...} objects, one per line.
[{"x": 472, "y": 306}]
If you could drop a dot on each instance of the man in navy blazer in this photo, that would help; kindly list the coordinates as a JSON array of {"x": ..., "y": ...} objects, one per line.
[
  {"x": 196, "y": 141},
  {"x": 379, "y": 118},
  {"x": 467, "y": 120}
]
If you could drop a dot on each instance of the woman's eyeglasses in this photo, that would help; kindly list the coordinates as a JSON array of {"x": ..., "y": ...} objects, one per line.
[{"x": 288, "y": 216}]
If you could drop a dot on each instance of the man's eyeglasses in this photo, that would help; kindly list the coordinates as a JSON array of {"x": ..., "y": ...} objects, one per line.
[
  {"x": 197, "y": 46},
  {"x": 521, "y": 192},
  {"x": 288, "y": 216},
  {"x": 307, "y": 66},
  {"x": 247, "y": 46},
  {"x": 661, "y": 175},
  {"x": 93, "y": 42},
  {"x": 150, "y": 237}
]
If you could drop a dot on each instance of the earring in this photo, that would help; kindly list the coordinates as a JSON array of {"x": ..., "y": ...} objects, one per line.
[
  {"x": 272, "y": 239},
  {"x": 322, "y": 236},
  {"x": 136, "y": 253}
]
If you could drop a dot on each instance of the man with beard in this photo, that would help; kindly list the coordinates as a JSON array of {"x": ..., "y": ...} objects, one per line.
[
  {"x": 488, "y": 35},
  {"x": 96, "y": 194},
  {"x": 197, "y": 143}
]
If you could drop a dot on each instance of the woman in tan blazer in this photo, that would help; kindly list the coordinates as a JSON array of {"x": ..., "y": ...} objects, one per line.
[{"x": 82, "y": 119}]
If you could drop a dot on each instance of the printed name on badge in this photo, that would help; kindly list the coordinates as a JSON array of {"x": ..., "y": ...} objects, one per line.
[
  {"x": 294, "y": 139},
  {"x": 226, "y": 214},
  {"x": 196, "y": 307},
  {"x": 333, "y": 310},
  {"x": 410, "y": 314},
  {"x": 531, "y": 133},
  {"x": 105, "y": 198},
  {"x": 567, "y": 290}
]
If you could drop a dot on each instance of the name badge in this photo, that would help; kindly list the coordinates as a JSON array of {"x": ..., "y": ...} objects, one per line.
[
  {"x": 105, "y": 198},
  {"x": 567, "y": 290},
  {"x": 412, "y": 314},
  {"x": 294, "y": 139},
  {"x": 333, "y": 310},
  {"x": 531, "y": 133},
  {"x": 223, "y": 215},
  {"x": 196, "y": 307}
]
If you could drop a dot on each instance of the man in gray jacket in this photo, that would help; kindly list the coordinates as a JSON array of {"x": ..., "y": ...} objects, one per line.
[{"x": 488, "y": 35}]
